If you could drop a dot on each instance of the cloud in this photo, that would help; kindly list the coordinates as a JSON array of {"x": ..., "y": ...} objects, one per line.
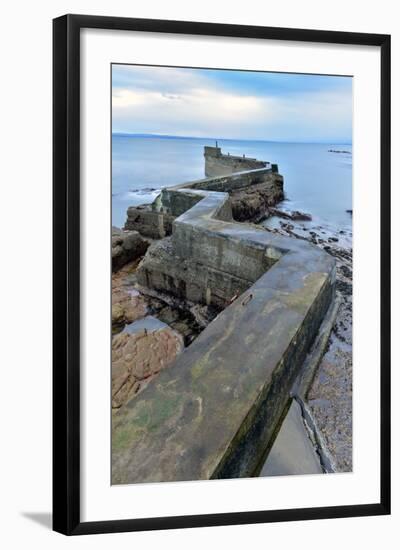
[{"x": 206, "y": 104}]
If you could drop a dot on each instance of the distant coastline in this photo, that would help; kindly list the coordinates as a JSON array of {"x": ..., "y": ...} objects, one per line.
[{"x": 214, "y": 138}]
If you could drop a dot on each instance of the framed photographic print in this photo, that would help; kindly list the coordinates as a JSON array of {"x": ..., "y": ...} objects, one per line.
[{"x": 221, "y": 274}]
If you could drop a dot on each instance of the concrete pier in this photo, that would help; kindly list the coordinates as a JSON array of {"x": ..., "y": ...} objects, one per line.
[
  {"x": 253, "y": 187},
  {"x": 215, "y": 411}
]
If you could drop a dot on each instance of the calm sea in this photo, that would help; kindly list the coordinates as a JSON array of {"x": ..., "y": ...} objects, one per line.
[{"x": 315, "y": 180}]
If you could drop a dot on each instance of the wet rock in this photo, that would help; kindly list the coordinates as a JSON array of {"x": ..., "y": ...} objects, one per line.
[
  {"x": 168, "y": 315},
  {"x": 144, "y": 190},
  {"x": 254, "y": 202},
  {"x": 345, "y": 270},
  {"x": 344, "y": 287},
  {"x": 184, "y": 317},
  {"x": 126, "y": 246},
  {"x": 138, "y": 357},
  {"x": 294, "y": 215},
  {"x": 117, "y": 314},
  {"x": 127, "y": 304}
]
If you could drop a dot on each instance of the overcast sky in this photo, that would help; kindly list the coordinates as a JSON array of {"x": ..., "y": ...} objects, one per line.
[{"x": 231, "y": 104}]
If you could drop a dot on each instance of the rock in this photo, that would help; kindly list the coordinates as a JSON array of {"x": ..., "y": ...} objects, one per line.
[
  {"x": 138, "y": 357},
  {"x": 126, "y": 246},
  {"x": 168, "y": 315},
  {"x": 345, "y": 270},
  {"x": 144, "y": 190},
  {"x": 117, "y": 314},
  {"x": 127, "y": 306},
  {"x": 294, "y": 215},
  {"x": 344, "y": 287},
  {"x": 254, "y": 202},
  {"x": 116, "y": 240}
]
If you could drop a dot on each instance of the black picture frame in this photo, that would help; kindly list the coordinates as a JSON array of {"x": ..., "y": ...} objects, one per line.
[{"x": 66, "y": 272}]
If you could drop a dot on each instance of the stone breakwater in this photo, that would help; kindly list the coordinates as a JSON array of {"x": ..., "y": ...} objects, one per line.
[
  {"x": 214, "y": 412},
  {"x": 252, "y": 190}
]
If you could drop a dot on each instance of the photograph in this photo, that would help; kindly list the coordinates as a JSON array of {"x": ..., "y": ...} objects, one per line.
[
  {"x": 205, "y": 208},
  {"x": 231, "y": 244}
]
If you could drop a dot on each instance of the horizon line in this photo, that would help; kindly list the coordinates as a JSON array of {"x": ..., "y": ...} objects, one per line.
[{"x": 172, "y": 136}]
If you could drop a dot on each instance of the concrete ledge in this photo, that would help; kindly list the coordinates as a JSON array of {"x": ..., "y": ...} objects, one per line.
[{"x": 213, "y": 413}]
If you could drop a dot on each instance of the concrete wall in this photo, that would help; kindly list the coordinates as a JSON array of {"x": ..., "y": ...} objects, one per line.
[
  {"x": 148, "y": 221},
  {"x": 216, "y": 163}
]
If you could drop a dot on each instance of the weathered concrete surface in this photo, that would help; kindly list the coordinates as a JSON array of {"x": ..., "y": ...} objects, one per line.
[
  {"x": 292, "y": 452},
  {"x": 126, "y": 246},
  {"x": 214, "y": 411},
  {"x": 217, "y": 164},
  {"x": 186, "y": 279},
  {"x": 148, "y": 222}
]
